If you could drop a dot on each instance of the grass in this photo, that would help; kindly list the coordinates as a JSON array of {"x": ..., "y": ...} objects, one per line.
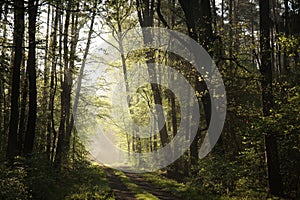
[
  {"x": 183, "y": 191},
  {"x": 35, "y": 179},
  {"x": 138, "y": 192},
  {"x": 90, "y": 183},
  {"x": 83, "y": 183},
  {"x": 188, "y": 191}
]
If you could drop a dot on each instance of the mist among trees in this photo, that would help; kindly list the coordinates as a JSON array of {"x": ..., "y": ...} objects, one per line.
[{"x": 56, "y": 90}]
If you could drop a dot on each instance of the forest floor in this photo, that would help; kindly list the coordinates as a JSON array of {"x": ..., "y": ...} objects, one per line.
[
  {"x": 94, "y": 181},
  {"x": 129, "y": 186}
]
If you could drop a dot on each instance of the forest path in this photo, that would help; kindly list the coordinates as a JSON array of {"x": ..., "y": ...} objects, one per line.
[
  {"x": 154, "y": 190},
  {"x": 122, "y": 192}
]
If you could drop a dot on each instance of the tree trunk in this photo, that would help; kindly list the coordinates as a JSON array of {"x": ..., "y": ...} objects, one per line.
[
  {"x": 286, "y": 30},
  {"x": 273, "y": 169},
  {"x": 200, "y": 12},
  {"x": 64, "y": 93},
  {"x": 80, "y": 76},
  {"x": 3, "y": 65},
  {"x": 22, "y": 121},
  {"x": 145, "y": 10},
  {"x": 69, "y": 118},
  {"x": 18, "y": 56},
  {"x": 46, "y": 97},
  {"x": 53, "y": 84},
  {"x": 31, "y": 68}
]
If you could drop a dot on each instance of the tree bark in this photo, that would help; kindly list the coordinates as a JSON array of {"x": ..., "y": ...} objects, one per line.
[
  {"x": 18, "y": 56},
  {"x": 287, "y": 32},
  {"x": 31, "y": 68},
  {"x": 64, "y": 93},
  {"x": 273, "y": 169},
  {"x": 69, "y": 117},
  {"x": 145, "y": 10},
  {"x": 200, "y": 12},
  {"x": 80, "y": 76},
  {"x": 46, "y": 96},
  {"x": 22, "y": 121},
  {"x": 53, "y": 84}
]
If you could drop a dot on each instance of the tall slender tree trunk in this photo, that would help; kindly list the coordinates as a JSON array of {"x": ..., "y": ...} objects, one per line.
[
  {"x": 31, "y": 68},
  {"x": 46, "y": 96},
  {"x": 287, "y": 32},
  {"x": 1, "y": 9},
  {"x": 22, "y": 121},
  {"x": 145, "y": 10},
  {"x": 64, "y": 93},
  {"x": 273, "y": 169},
  {"x": 66, "y": 121},
  {"x": 200, "y": 12},
  {"x": 124, "y": 67},
  {"x": 80, "y": 76},
  {"x": 231, "y": 25},
  {"x": 3, "y": 65},
  {"x": 15, "y": 91},
  {"x": 69, "y": 117},
  {"x": 53, "y": 83}
]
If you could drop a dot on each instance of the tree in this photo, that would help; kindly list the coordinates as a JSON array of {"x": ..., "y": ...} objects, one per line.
[
  {"x": 18, "y": 57},
  {"x": 145, "y": 10},
  {"x": 31, "y": 68},
  {"x": 199, "y": 24},
  {"x": 63, "y": 141},
  {"x": 274, "y": 176}
]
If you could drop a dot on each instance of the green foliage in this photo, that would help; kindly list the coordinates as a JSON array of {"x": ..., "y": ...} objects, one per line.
[
  {"x": 290, "y": 44},
  {"x": 84, "y": 182},
  {"x": 217, "y": 174},
  {"x": 34, "y": 179},
  {"x": 286, "y": 123},
  {"x": 138, "y": 192},
  {"x": 234, "y": 178},
  {"x": 12, "y": 183},
  {"x": 236, "y": 169},
  {"x": 90, "y": 183},
  {"x": 188, "y": 191}
]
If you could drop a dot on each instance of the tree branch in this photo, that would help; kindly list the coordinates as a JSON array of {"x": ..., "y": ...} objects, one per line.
[{"x": 160, "y": 16}]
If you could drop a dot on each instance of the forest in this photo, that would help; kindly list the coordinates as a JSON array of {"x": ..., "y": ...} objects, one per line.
[{"x": 150, "y": 99}]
